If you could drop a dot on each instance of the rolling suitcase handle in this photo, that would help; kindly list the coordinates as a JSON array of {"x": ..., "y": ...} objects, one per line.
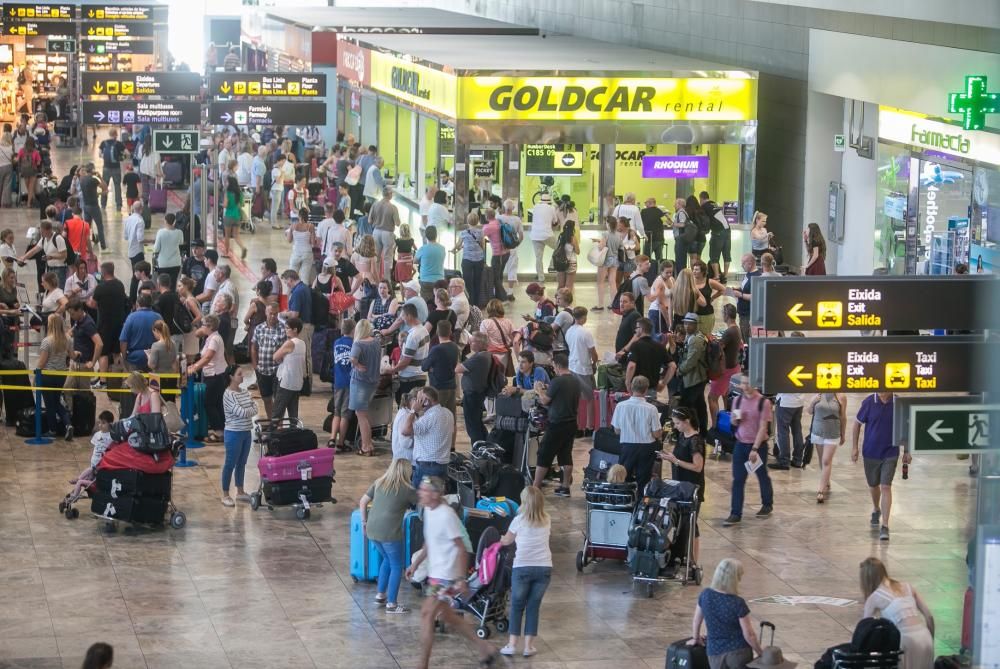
[{"x": 763, "y": 624}]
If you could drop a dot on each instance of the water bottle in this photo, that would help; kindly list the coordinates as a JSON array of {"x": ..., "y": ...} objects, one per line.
[
  {"x": 717, "y": 451},
  {"x": 906, "y": 471}
]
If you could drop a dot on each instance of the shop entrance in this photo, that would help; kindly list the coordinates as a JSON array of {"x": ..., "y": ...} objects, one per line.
[{"x": 559, "y": 170}]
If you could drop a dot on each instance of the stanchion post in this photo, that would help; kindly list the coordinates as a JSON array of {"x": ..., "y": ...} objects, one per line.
[
  {"x": 187, "y": 415},
  {"x": 185, "y": 399},
  {"x": 38, "y": 439}
]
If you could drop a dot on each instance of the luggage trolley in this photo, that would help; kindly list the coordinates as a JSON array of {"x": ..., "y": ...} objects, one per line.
[
  {"x": 609, "y": 517},
  {"x": 669, "y": 511},
  {"x": 311, "y": 495}
]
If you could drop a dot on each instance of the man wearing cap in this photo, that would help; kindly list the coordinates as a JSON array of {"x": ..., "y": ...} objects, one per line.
[
  {"x": 411, "y": 295},
  {"x": 693, "y": 368},
  {"x": 543, "y": 217},
  {"x": 384, "y": 219}
]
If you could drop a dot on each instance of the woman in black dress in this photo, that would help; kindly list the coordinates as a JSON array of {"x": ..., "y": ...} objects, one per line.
[{"x": 688, "y": 457}]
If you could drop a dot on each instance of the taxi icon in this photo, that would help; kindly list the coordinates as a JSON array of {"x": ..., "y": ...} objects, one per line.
[
  {"x": 897, "y": 375},
  {"x": 831, "y": 314}
]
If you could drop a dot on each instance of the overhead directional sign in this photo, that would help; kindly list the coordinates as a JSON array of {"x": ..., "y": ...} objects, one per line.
[
  {"x": 15, "y": 11},
  {"x": 870, "y": 364},
  {"x": 33, "y": 28},
  {"x": 948, "y": 428},
  {"x": 268, "y": 84},
  {"x": 119, "y": 29},
  {"x": 956, "y": 302},
  {"x": 55, "y": 45},
  {"x": 278, "y": 112},
  {"x": 175, "y": 141},
  {"x": 141, "y": 83},
  {"x": 102, "y": 45},
  {"x": 116, "y": 12},
  {"x": 156, "y": 112}
]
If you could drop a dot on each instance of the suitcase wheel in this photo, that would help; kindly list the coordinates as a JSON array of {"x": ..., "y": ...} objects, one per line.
[
  {"x": 581, "y": 561},
  {"x": 71, "y": 513},
  {"x": 178, "y": 520},
  {"x": 62, "y": 506},
  {"x": 502, "y": 625},
  {"x": 255, "y": 501},
  {"x": 302, "y": 514},
  {"x": 483, "y": 632}
]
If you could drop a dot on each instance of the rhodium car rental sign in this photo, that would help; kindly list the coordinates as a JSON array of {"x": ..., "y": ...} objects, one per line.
[
  {"x": 674, "y": 167},
  {"x": 611, "y": 99}
]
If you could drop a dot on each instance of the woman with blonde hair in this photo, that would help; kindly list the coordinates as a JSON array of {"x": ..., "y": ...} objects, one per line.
[
  {"x": 391, "y": 496},
  {"x": 732, "y": 641},
  {"x": 147, "y": 394},
  {"x": 684, "y": 296},
  {"x": 900, "y": 604},
  {"x": 366, "y": 358},
  {"x": 510, "y": 217},
  {"x": 532, "y": 569},
  {"x": 607, "y": 272},
  {"x": 500, "y": 333},
  {"x": 54, "y": 300},
  {"x": 472, "y": 243},
  {"x": 363, "y": 260},
  {"x": 185, "y": 289},
  {"x": 54, "y": 355},
  {"x": 760, "y": 238}
]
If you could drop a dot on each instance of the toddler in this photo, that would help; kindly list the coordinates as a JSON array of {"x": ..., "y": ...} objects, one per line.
[
  {"x": 617, "y": 474},
  {"x": 101, "y": 440}
]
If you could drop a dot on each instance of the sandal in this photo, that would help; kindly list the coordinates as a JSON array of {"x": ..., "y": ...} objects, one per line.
[
  {"x": 820, "y": 497},
  {"x": 344, "y": 448},
  {"x": 370, "y": 453}
]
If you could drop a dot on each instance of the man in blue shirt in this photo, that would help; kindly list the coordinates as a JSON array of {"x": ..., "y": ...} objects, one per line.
[
  {"x": 341, "y": 387},
  {"x": 300, "y": 306},
  {"x": 430, "y": 258},
  {"x": 880, "y": 455},
  {"x": 137, "y": 334}
]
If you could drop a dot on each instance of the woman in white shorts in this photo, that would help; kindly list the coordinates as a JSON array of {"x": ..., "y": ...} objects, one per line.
[{"x": 829, "y": 420}]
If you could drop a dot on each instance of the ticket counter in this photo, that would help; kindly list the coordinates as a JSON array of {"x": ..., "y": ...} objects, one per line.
[{"x": 644, "y": 125}]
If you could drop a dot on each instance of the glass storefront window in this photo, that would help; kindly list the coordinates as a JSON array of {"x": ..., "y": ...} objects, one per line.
[
  {"x": 406, "y": 151},
  {"x": 369, "y": 120},
  {"x": 543, "y": 171},
  {"x": 387, "y": 136},
  {"x": 428, "y": 158},
  {"x": 891, "y": 206}
]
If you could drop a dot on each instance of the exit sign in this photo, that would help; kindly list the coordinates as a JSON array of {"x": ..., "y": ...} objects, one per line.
[{"x": 952, "y": 428}]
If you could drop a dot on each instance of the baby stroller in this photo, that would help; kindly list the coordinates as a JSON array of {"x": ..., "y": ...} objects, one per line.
[
  {"x": 609, "y": 515},
  {"x": 662, "y": 534},
  {"x": 489, "y": 601}
]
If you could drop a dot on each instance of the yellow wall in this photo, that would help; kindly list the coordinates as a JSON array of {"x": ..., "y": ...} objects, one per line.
[
  {"x": 404, "y": 144},
  {"x": 387, "y": 134}
]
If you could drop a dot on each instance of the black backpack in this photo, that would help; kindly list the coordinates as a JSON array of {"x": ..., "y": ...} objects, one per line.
[
  {"x": 320, "y": 309},
  {"x": 703, "y": 222},
  {"x": 183, "y": 320}
]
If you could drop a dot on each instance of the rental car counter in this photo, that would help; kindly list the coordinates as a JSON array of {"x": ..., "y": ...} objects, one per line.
[{"x": 522, "y": 116}]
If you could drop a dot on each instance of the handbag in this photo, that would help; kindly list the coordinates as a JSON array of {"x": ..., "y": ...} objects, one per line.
[
  {"x": 172, "y": 417},
  {"x": 340, "y": 302},
  {"x": 597, "y": 255},
  {"x": 510, "y": 369}
]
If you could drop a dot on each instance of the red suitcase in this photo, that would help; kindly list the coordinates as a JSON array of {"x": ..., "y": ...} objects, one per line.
[
  {"x": 297, "y": 466},
  {"x": 123, "y": 456}
]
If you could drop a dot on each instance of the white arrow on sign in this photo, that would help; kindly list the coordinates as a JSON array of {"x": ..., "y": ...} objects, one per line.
[
  {"x": 99, "y": 116},
  {"x": 227, "y": 117},
  {"x": 935, "y": 430},
  {"x": 168, "y": 142}
]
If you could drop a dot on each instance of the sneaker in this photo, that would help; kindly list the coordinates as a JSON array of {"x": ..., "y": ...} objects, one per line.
[
  {"x": 381, "y": 599},
  {"x": 509, "y": 650},
  {"x": 876, "y": 515},
  {"x": 731, "y": 520},
  {"x": 765, "y": 511},
  {"x": 69, "y": 433},
  {"x": 396, "y": 608},
  {"x": 243, "y": 498},
  {"x": 228, "y": 501},
  {"x": 528, "y": 652},
  {"x": 96, "y": 384},
  {"x": 883, "y": 534},
  {"x": 561, "y": 491}
]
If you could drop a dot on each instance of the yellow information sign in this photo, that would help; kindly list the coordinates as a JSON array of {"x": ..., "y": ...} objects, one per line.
[
  {"x": 598, "y": 98},
  {"x": 417, "y": 84}
]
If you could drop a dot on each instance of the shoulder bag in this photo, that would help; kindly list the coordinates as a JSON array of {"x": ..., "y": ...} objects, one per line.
[
  {"x": 597, "y": 255},
  {"x": 509, "y": 371}
]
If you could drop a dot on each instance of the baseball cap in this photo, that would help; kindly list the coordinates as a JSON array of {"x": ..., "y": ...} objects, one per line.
[
  {"x": 546, "y": 197},
  {"x": 690, "y": 317},
  {"x": 329, "y": 261},
  {"x": 535, "y": 289},
  {"x": 198, "y": 242},
  {"x": 413, "y": 285}
]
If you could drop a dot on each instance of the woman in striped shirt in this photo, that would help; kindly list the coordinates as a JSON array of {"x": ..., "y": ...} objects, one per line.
[{"x": 239, "y": 408}]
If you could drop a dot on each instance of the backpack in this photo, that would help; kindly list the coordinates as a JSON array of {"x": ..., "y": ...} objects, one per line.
[
  {"x": 71, "y": 254},
  {"x": 560, "y": 261},
  {"x": 182, "y": 318},
  {"x": 716, "y": 356},
  {"x": 489, "y": 564},
  {"x": 320, "y": 309},
  {"x": 508, "y": 236},
  {"x": 474, "y": 320},
  {"x": 703, "y": 222},
  {"x": 625, "y": 287},
  {"x": 496, "y": 378},
  {"x": 541, "y": 336}
]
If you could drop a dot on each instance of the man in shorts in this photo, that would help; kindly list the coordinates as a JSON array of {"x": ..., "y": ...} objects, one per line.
[
  {"x": 267, "y": 338},
  {"x": 562, "y": 397},
  {"x": 880, "y": 456},
  {"x": 447, "y": 554},
  {"x": 341, "y": 387}
]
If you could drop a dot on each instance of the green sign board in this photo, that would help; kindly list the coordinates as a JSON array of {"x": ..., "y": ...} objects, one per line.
[
  {"x": 175, "y": 141},
  {"x": 975, "y": 103},
  {"x": 952, "y": 428}
]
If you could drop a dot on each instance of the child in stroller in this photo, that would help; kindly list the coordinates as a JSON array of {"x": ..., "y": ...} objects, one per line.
[
  {"x": 662, "y": 533},
  {"x": 489, "y": 585},
  {"x": 101, "y": 441}
]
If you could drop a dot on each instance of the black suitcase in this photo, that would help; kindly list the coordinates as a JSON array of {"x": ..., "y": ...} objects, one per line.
[
  {"x": 317, "y": 490},
  {"x": 600, "y": 463},
  {"x": 608, "y": 441},
  {"x": 288, "y": 440},
  {"x": 477, "y": 520},
  {"x": 510, "y": 483},
  {"x": 130, "y": 508},
  {"x": 506, "y": 440},
  {"x": 509, "y": 406},
  {"x": 682, "y": 656},
  {"x": 132, "y": 482},
  {"x": 84, "y": 413},
  {"x": 16, "y": 400}
]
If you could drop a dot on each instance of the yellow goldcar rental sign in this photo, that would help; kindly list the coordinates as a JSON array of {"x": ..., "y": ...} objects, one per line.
[
  {"x": 417, "y": 84},
  {"x": 596, "y": 98}
]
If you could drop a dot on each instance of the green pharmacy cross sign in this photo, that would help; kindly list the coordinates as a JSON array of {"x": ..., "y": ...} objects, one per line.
[{"x": 975, "y": 103}]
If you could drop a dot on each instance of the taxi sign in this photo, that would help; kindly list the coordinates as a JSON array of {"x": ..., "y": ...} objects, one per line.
[
  {"x": 956, "y": 302},
  {"x": 267, "y": 84},
  {"x": 870, "y": 364},
  {"x": 167, "y": 84}
]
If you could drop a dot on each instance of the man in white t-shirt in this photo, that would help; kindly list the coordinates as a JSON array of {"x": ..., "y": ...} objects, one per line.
[
  {"x": 630, "y": 210},
  {"x": 425, "y": 206},
  {"x": 543, "y": 216},
  {"x": 582, "y": 351},
  {"x": 447, "y": 557}
]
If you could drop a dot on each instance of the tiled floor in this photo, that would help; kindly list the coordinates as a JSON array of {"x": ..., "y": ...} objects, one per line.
[{"x": 238, "y": 588}]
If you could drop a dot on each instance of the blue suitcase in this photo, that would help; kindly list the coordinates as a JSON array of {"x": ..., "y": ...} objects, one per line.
[
  {"x": 365, "y": 558},
  {"x": 413, "y": 535},
  {"x": 199, "y": 424}
]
